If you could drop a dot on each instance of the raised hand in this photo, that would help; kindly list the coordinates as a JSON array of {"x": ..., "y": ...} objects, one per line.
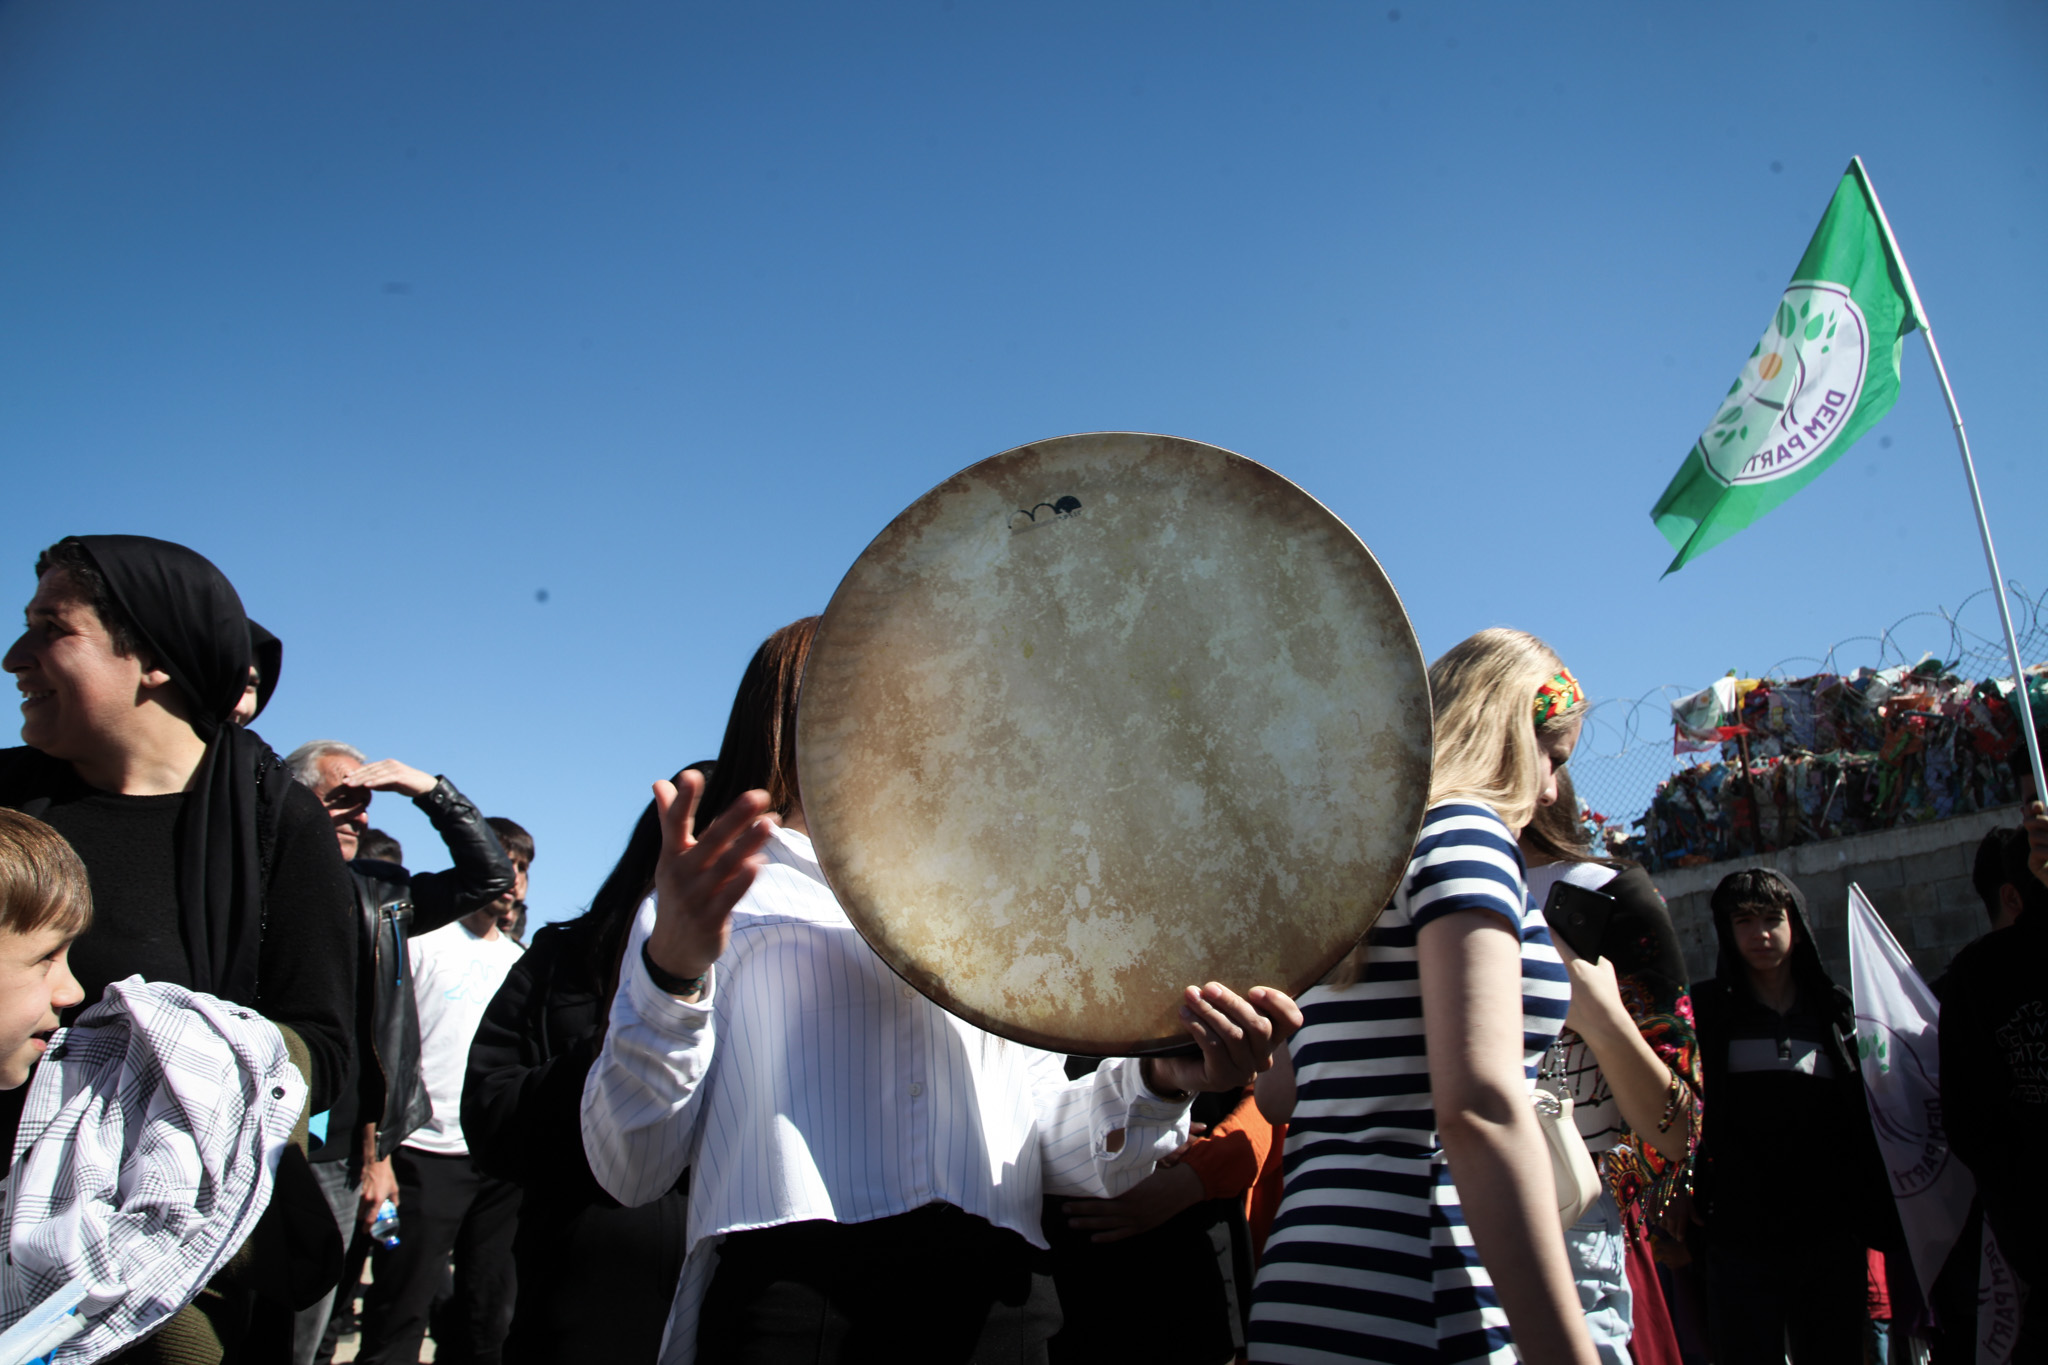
[
  {"x": 698, "y": 881},
  {"x": 1236, "y": 1035},
  {"x": 389, "y": 775}
]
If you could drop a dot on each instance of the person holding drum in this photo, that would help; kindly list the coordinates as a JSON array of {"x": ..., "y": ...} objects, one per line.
[
  {"x": 867, "y": 1168},
  {"x": 1419, "y": 1220}
]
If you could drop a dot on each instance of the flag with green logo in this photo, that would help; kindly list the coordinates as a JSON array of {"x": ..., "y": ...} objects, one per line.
[{"x": 1825, "y": 371}]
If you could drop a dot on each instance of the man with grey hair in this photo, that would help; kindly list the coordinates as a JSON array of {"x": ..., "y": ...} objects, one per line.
[{"x": 385, "y": 1099}]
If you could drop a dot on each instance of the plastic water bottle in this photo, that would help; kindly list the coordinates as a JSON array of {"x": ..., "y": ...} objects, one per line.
[{"x": 385, "y": 1229}]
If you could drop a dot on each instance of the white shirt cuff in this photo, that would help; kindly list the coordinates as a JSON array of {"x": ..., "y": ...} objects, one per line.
[{"x": 684, "y": 1019}]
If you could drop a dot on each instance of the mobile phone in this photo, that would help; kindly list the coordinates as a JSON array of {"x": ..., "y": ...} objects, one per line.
[{"x": 1579, "y": 917}]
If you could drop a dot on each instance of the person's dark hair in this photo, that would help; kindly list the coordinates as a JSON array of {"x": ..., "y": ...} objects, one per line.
[
  {"x": 760, "y": 735},
  {"x": 1757, "y": 888},
  {"x": 514, "y": 839},
  {"x": 1557, "y": 833},
  {"x": 2002, "y": 861},
  {"x": 632, "y": 876},
  {"x": 376, "y": 844},
  {"x": 71, "y": 556}
]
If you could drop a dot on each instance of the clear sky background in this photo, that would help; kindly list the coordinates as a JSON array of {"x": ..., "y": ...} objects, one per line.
[{"x": 406, "y": 314}]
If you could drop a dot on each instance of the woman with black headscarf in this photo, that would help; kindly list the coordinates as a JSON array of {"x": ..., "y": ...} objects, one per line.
[{"x": 210, "y": 867}]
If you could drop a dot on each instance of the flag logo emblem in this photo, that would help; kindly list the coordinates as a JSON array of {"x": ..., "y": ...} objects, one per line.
[{"x": 1796, "y": 392}]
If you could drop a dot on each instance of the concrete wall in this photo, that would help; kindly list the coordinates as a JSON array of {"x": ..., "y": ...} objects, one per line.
[{"x": 1918, "y": 878}]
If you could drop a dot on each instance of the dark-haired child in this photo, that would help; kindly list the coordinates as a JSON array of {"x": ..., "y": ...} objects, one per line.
[{"x": 1788, "y": 1180}]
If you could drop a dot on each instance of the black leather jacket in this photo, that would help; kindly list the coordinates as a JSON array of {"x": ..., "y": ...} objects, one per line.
[{"x": 392, "y": 906}]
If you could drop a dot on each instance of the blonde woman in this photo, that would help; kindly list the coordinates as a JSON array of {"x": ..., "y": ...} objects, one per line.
[{"x": 1420, "y": 1220}]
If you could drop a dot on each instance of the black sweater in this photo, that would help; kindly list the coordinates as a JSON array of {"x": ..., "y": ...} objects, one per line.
[
  {"x": 595, "y": 1279},
  {"x": 1785, "y": 1154},
  {"x": 1994, "y": 1082},
  {"x": 306, "y": 966}
]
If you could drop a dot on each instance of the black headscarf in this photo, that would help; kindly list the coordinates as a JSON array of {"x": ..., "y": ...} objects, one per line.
[
  {"x": 266, "y": 651},
  {"x": 193, "y": 627}
]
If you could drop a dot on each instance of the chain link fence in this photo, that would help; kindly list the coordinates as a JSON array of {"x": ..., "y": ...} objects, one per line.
[{"x": 1625, "y": 749}]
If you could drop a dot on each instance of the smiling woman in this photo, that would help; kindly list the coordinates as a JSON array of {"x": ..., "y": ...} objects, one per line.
[
  {"x": 190, "y": 830},
  {"x": 136, "y": 652},
  {"x": 81, "y": 674}
]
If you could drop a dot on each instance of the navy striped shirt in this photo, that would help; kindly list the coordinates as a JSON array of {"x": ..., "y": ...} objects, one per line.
[{"x": 1370, "y": 1258}]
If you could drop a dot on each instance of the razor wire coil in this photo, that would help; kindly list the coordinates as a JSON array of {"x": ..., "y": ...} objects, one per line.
[{"x": 1625, "y": 746}]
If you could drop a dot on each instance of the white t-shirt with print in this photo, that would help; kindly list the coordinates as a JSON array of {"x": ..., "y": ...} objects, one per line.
[{"x": 454, "y": 975}]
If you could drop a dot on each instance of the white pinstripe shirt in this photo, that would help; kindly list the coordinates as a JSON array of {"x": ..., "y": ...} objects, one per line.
[{"x": 811, "y": 1083}]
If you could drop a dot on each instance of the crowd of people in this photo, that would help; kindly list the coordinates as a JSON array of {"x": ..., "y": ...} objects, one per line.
[{"x": 703, "y": 1121}]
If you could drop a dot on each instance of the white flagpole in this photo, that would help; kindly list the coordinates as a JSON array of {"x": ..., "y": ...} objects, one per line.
[{"x": 2021, "y": 702}]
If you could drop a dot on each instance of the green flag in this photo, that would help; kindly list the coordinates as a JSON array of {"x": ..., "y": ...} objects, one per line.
[{"x": 1826, "y": 370}]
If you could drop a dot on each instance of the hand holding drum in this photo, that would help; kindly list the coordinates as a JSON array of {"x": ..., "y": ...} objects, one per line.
[
  {"x": 1237, "y": 1036},
  {"x": 699, "y": 881}
]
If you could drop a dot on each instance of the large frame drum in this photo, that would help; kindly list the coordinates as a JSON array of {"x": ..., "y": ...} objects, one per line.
[{"x": 1105, "y": 716}]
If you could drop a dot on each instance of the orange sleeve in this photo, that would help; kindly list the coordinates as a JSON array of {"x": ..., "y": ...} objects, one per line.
[
  {"x": 1262, "y": 1205},
  {"x": 1229, "y": 1156}
]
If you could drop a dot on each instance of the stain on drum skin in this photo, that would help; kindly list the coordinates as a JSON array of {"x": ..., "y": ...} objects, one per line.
[{"x": 1108, "y": 715}]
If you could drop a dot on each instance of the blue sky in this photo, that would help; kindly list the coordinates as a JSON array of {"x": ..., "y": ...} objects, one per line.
[{"x": 405, "y": 314}]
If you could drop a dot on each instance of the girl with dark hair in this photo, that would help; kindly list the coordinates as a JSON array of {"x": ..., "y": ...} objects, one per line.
[
  {"x": 595, "y": 1278},
  {"x": 1792, "y": 1188},
  {"x": 866, "y": 1168},
  {"x": 1629, "y": 1059}
]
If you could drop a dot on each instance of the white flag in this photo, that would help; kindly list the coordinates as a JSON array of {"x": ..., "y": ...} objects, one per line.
[{"x": 1895, "y": 1038}]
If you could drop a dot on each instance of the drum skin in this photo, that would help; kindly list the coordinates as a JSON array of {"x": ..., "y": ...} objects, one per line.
[{"x": 1106, "y": 716}]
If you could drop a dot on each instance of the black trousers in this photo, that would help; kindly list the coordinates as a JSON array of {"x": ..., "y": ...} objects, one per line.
[
  {"x": 1805, "y": 1296},
  {"x": 931, "y": 1287},
  {"x": 445, "y": 1205},
  {"x": 1174, "y": 1293}
]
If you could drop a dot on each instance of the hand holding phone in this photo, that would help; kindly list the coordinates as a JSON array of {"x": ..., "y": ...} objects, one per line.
[{"x": 1579, "y": 917}]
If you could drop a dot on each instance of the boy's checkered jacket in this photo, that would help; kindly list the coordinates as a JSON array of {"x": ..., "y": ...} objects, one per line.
[{"x": 145, "y": 1155}]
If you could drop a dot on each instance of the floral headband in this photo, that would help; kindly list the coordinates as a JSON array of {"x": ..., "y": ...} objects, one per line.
[{"x": 1560, "y": 696}]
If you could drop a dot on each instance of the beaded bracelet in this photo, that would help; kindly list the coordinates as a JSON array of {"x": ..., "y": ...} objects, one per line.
[{"x": 1671, "y": 1100}]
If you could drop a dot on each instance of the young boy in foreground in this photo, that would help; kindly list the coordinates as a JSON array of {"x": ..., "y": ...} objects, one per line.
[{"x": 45, "y": 903}]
